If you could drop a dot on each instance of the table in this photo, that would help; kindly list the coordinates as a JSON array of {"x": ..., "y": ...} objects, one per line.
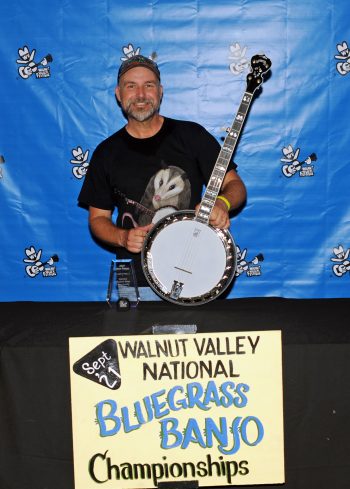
[{"x": 35, "y": 421}]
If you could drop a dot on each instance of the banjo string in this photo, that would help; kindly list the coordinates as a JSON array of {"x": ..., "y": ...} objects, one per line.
[{"x": 188, "y": 256}]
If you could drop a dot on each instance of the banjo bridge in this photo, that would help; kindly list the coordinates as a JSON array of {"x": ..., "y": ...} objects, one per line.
[
  {"x": 182, "y": 270},
  {"x": 176, "y": 290}
]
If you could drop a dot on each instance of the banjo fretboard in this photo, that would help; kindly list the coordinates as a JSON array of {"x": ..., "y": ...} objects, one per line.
[{"x": 223, "y": 160}]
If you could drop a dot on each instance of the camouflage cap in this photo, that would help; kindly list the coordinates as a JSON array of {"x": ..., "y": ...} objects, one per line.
[{"x": 136, "y": 61}]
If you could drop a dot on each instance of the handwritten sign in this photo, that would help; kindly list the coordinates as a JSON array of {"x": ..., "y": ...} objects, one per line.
[{"x": 152, "y": 409}]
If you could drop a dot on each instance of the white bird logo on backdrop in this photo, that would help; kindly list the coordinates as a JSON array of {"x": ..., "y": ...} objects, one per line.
[
  {"x": 80, "y": 158},
  {"x": 30, "y": 67},
  {"x": 343, "y": 66}
]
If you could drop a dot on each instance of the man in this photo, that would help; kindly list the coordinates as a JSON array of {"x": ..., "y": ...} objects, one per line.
[{"x": 152, "y": 164}]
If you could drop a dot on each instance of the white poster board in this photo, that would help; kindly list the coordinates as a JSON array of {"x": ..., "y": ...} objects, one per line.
[{"x": 150, "y": 409}]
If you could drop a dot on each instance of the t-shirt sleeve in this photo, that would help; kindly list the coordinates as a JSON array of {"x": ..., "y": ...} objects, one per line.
[
  {"x": 96, "y": 190},
  {"x": 208, "y": 150}
]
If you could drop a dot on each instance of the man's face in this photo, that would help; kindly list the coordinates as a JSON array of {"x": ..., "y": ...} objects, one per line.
[{"x": 139, "y": 93}]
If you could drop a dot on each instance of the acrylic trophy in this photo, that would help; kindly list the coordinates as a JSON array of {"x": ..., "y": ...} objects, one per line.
[{"x": 122, "y": 291}]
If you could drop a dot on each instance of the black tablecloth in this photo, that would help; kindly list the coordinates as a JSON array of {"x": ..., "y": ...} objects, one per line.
[{"x": 35, "y": 419}]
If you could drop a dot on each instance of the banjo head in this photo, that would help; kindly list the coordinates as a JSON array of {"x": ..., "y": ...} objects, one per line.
[{"x": 187, "y": 262}]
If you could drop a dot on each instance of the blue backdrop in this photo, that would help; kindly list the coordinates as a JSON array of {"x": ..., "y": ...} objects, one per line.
[{"x": 59, "y": 64}]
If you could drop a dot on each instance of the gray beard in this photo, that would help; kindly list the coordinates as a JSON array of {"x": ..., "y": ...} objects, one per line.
[{"x": 143, "y": 115}]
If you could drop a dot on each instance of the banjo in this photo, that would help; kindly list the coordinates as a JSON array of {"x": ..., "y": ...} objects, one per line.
[{"x": 186, "y": 260}]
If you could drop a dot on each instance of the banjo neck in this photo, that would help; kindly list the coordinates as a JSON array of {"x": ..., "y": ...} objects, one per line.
[
  {"x": 223, "y": 160},
  {"x": 260, "y": 64}
]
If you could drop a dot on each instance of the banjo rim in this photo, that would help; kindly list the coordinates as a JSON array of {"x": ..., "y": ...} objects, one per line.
[{"x": 214, "y": 292}]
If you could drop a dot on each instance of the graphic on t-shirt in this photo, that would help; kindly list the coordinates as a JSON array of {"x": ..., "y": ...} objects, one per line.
[
  {"x": 167, "y": 191},
  {"x": 169, "y": 187}
]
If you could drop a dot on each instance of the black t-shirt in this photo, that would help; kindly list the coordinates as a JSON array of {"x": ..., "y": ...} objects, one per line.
[{"x": 140, "y": 176}]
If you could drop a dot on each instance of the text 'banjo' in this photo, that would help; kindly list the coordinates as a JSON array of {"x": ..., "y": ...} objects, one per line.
[{"x": 185, "y": 260}]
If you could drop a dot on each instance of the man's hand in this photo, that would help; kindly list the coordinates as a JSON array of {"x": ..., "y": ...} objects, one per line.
[
  {"x": 219, "y": 217},
  {"x": 233, "y": 190},
  {"x": 101, "y": 225},
  {"x": 135, "y": 238}
]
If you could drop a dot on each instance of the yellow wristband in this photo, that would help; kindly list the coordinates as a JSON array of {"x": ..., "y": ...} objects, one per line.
[{"x": 227, "y": 202}]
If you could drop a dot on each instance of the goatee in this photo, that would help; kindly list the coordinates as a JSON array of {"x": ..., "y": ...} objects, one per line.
[{"x": 141, "y": 115}]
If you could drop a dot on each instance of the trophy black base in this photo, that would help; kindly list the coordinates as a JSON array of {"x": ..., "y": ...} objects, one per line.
[{"x": 123, "y": 304}]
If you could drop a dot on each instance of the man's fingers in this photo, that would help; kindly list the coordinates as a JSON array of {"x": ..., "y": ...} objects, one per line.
[
  {"x": 219, "y": 217},
  {"x": 136, "y": 238}
]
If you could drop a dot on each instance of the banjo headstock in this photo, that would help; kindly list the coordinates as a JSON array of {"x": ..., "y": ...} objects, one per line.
[{"x": 260, "y": 65}]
